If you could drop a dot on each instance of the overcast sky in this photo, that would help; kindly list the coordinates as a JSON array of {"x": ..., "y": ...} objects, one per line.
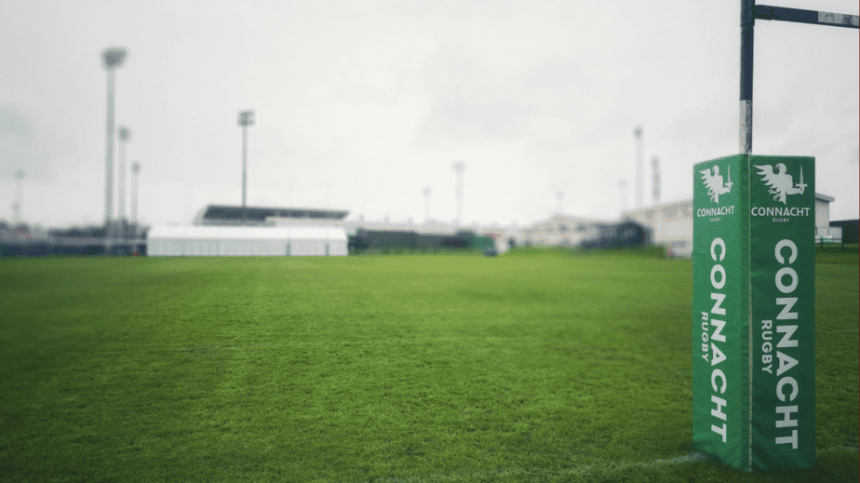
[{"x": 361, "y": 104}]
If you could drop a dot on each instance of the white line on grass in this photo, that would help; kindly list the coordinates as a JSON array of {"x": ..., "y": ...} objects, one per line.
[{"x": 580, "y": 470}]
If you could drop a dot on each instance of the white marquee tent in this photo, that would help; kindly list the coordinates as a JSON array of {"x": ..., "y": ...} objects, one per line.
[{"x": 258, "y": 241}]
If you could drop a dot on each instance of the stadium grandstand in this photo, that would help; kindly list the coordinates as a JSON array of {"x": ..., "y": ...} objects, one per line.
[
  {"x": 261, "y": 216},
  {"x": 226, "y": 230},
  {"x": 27, "y": 241}
]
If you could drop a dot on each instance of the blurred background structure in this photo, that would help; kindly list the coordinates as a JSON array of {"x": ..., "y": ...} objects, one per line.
[
  {"x": 246, "y": 118},
  {"x": 655, "y": 181},
  {"x": 112, "y": 58},
  {"x": 362, "y": 116},
  {"x": 135, "y": 171},
  {"x": 639, "y": 165},
  {"x": 427, "y": 192},
  {"x": 124, "y": 134},
  {"x": 459, "y": 166},
  {"x": 17, "y": 205},
  {"x": 622, "y": 190}
]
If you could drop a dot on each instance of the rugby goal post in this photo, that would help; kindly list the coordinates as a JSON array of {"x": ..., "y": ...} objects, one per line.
[{"x": 754, "y": 290}]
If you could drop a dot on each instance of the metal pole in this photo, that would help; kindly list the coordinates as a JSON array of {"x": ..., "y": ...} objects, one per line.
[
  {"x": 246, "y": 118},
  {"x": 655, "y": 188},
  {"x": 749, "y": 12},
  {"x": 639, "y": 166},
  {"x": 112, "y": 58},
  {"x": 622, "y": 188},
  {"x": 426, "y": 204},
  {"x": 121, "y": 178},
  {"x": 109, "y": 154},
  {"x": 244, "y": 171},
  {"x": 135, "y": 169},
  {"x": 17, "y": 205},
  {"x": 458, "y": 168},
  {"x": 123, "y": 138},
  {"x": 746, "y": 104}
]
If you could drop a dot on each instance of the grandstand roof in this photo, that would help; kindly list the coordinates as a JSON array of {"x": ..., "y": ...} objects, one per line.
[{"x": 233, "y": 215}]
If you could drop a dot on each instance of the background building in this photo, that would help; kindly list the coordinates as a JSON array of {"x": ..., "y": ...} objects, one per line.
[
  {"x": 223, "y": 230},
  {"x": 671, "y": 224},
  {"x": 255, "y": 241},
  {"x": 560, "y": 231},
  {"x": 569, "y": 231},
  {"x": 226, "y": 215},
  {"x": 849, "y": 230}
]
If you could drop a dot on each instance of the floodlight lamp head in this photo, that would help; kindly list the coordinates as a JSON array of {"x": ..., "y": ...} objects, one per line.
[
  {"x": 246, "y": 118},
  {"x": 113, "y": 57},
  {"x": 135, "y": 167},
  {"x": 638, "y": 131},
  {"x": 20, "y": 174},
  {"x": 124, "y": 133}
]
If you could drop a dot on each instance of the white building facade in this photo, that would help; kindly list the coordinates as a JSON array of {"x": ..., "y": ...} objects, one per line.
[
  {"x": 671, "y": 224},
  {"x": 559, "y": 231},
  {"x": 259, "y": 241}
]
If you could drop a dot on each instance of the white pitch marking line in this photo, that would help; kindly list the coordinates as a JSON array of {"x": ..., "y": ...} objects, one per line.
[{"x": 581, "y": 470}]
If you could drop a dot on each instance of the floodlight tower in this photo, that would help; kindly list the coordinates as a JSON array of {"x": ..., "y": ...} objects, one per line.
[
  {"x": 459, "y": 166},
  {"x": 19, "y": 194},
  {"x": 246, "y": 118},
  {"x": 427, "y": 204},
  {"x": 639, "y": 167},
  {"x": 655, "y": 184},
  {"x": 622, "y": 189},
  {"x": 135, "y": 169},
  {"x": 124, "y": 134},
  {"x": 112, "y": 58}
]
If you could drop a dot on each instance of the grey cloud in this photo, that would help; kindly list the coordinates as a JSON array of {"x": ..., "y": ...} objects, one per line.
[
  {"x": 455, "y": 120},
  {"x": 472, "y": 102}
]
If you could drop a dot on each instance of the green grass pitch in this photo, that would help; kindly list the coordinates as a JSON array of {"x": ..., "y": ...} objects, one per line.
[{"x": 532, "y": 366}]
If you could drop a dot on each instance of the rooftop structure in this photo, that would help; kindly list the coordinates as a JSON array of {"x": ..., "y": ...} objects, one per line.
[{"x": 256, "y": 216}]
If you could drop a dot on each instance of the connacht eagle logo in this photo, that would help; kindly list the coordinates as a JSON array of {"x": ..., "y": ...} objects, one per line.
[
  {"x": 714, "y": 182},
  {"x": 781, "y": 184}
]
